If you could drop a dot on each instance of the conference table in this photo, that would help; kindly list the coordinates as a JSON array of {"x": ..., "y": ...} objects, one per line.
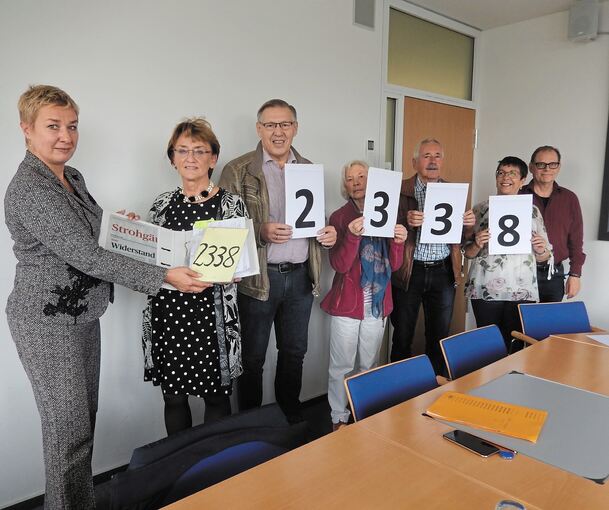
[{"x": 398, "y": 458}]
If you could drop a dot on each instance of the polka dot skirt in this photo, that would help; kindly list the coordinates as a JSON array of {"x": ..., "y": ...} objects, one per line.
[{"x": 184, "y": 340}]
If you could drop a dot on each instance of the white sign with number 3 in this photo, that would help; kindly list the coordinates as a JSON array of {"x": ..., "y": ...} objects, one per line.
[
  {"x": 304, "y": 199},
  {"x": 510, "y": 224},
  {"x": 443, "y": 213},
  {"x": 381, "y": 204}
]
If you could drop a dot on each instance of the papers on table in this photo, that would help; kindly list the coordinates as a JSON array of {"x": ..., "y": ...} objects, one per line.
[
  {"x": 492, "y": 415},
  {"x": 603, "y": 339}
]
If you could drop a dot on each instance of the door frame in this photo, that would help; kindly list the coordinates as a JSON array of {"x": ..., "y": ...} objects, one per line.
[{"x": 398, "y": 92}]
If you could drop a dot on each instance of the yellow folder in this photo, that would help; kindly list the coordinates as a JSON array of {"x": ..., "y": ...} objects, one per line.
[{"x": 492, "y": 415}]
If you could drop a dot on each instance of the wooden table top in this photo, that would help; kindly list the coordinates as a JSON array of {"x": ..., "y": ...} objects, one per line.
[
  {"x": 352, "y": 468},
  {"x": 584, "y": 338},
  {"x": 398, "y": 458},
  {"x": 582, "y": 365}
]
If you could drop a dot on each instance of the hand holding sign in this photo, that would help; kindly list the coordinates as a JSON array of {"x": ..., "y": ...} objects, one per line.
[
  {"x": 304, "y": 199},
  {"x": 277, "y": 233},
  {"x": 381, "y": 204},
  {"x": 443, "y": 213},
  {"x": 509, "y": 222},
  {"x": 326, "y": 236}
]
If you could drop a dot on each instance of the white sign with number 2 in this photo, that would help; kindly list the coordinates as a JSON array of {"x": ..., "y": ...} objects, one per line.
[{"x": 304, "y": 199}]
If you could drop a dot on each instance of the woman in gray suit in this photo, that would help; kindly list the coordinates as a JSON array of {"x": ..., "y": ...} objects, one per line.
[{"x": 62, "y": 288}]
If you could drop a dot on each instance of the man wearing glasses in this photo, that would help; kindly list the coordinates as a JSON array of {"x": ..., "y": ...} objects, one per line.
[
  {"x": 282, "y": 294},
  {"x": 562, "y": 216}
]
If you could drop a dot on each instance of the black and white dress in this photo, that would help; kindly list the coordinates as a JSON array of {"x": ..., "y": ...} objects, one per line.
[{"x": 192, "y": 342}]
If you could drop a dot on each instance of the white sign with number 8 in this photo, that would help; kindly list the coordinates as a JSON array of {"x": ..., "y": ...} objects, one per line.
[{"x": 510, "y": 224}]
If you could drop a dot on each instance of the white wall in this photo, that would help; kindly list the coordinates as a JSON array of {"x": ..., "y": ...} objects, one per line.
[
  {"x": 538, "y": 88},
  {"x": 136, "y": 68}
]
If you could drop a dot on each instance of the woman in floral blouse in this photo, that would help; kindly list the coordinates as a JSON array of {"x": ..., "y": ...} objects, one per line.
[{"x": 498, "y": 283}]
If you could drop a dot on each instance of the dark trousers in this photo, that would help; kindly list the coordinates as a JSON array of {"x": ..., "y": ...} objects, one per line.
[
  {"x": 502, "y": 313},
  {"x": 289, "y": 309},
  {"x": 435, "y": 288},
  {"x": 553, "y": 290}
]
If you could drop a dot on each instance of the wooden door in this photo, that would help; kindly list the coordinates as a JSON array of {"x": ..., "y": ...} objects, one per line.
[{"x": 454, "y": 127}]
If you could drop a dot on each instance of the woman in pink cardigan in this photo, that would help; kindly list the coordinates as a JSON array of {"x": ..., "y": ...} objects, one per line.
[{"x": 360, "y": 297}]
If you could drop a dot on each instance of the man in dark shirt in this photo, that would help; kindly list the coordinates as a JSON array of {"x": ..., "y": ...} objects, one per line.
[{"x": 562, "y": 216}]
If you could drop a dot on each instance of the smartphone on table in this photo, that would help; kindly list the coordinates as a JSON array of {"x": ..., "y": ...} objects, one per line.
[{"x": 471, "y": 443}]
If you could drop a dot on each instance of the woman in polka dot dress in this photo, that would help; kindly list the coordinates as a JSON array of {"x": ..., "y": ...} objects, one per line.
[{"x": 192, "y": 342}]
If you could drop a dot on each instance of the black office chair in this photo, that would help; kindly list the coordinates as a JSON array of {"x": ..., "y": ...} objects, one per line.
[{"x": 177, "y": 466}]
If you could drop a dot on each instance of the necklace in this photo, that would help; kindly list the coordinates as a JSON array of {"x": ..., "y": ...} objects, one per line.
[{"x": 201, "y": 196}]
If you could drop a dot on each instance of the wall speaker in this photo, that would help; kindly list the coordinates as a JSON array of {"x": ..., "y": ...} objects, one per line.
[
  {"x": 583, "y": 20},
  {"x": 363, "y": 13}
]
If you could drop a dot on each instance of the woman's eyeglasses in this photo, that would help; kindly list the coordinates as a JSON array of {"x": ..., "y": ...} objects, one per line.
[{"x": 196, "y": 153}]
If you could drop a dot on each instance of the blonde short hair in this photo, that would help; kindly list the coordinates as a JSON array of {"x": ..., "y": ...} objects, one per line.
[
  {"x": 37, "y": 96},
  {"x": 355, "y": 162}
]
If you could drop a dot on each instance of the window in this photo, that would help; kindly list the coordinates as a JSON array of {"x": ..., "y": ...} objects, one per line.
[{"x": 426, "y": 56}]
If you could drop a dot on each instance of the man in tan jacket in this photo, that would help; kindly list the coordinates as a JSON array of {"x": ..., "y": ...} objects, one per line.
[{"x": 282, "y": 294}]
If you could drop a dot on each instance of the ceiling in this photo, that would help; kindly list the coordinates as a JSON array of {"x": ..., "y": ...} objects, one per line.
[{"x": 485, "y": 14}]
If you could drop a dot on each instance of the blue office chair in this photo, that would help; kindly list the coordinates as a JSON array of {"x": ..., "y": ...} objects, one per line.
[
  {"x": 471, "y": 350},
  {"x": 540, "y": 320},
  {"x": 383, "y": 387}
]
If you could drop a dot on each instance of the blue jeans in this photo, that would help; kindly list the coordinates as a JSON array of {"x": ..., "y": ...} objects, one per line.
[
  {"x": 289, "y": 309},
  {"x": 435, "y": 288}
]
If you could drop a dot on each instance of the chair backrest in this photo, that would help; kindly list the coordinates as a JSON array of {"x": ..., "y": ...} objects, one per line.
[
  {"x": 198, "y": 457},
  {"x": 471, "y": 350},
  {"x": 219, "y": 467},
  {"x": 383, "y": 387},
  {"x": 540, "y": 320}
]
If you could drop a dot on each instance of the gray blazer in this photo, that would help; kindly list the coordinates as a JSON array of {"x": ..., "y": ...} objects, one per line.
[{"x": 62, "y": 273}]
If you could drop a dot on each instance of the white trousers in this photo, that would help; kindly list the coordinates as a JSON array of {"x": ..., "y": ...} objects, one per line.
[{"x": 350, "y": 338}]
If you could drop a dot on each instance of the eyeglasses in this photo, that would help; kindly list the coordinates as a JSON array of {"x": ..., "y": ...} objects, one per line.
[
  {"x": 196, "y": 153},
  {"x": 285, "y": 125},
  {"x": 509, "y": 173},
  {"x": 540, "y": 165}
]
